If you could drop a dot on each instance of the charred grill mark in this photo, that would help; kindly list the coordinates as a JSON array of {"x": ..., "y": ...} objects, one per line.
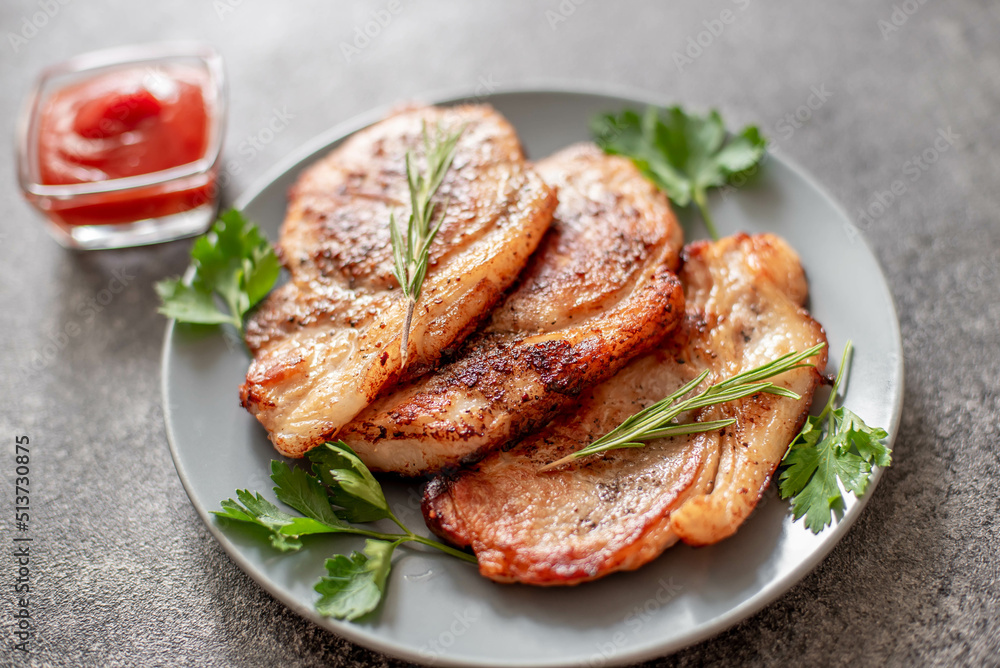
[
  {"x": 596, "y": 299},
  {"x": 614, "y": 512},
  {"x": 335, "y": 243},
  {"x": 550, "y": 359}
]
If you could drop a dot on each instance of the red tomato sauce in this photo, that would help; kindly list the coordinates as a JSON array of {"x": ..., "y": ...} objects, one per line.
[{"x": 127, "y": 122}]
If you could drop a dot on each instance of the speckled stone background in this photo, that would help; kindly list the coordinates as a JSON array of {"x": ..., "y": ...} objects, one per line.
[{"x": 125, "y": 574}]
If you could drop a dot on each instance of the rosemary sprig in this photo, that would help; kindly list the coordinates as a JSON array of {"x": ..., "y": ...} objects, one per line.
[
  {"x": 659, "y": 420},
  {"x": 410, "y": 255}
]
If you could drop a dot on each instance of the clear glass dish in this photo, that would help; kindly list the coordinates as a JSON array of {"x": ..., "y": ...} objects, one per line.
[{"x": 135, "y": 210}]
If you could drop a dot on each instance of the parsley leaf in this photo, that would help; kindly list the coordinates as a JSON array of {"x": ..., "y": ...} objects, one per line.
[
  {"x": 351, "y": 484},
  {"x": 296, "y": 488},
  {"x": 190, "y": 303},
  {"x": 683, "y": 154},
  {"x": 833, "y": 449},
  {"x": 258, "y": 511},
  {"x": 354, "y": 585},
  {"x": 234, "y": 262}
]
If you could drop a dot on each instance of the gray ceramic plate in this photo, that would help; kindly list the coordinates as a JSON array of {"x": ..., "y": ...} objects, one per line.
[{"x": 438, "y": 610}]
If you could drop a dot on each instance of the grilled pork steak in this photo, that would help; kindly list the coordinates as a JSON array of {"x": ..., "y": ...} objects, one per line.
[
  {"x": 619, "y": 510},
  {"x": 328, "y": 341},
  {"x": 600, "y": 290}
]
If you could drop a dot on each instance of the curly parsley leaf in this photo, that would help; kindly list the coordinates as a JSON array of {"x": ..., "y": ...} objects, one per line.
[
  {"x": 834, "y": 449},
  {"x": 233, "y": 262},
  {"x": 683, "y": 154},
  {"x": 354, "y": 585}
]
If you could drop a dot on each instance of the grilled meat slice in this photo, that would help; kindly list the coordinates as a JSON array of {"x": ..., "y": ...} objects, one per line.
[
  {"x": 620, "y": 510},
  {"x": 600, "y": 290},
  {"x": 328, "y": 341}
]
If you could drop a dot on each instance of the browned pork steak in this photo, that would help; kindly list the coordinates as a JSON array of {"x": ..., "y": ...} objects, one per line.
[
  {"x": 600, "y": 290},
  {"x": 328, "y": 341},
  {"x": 620, "y": 510}
]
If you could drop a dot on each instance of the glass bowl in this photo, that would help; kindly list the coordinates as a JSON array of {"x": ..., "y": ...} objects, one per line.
[{"x": 133, "y": 210}]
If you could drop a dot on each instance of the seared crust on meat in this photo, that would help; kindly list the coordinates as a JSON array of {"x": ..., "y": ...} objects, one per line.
[
  {"x": 327, "y": 342},
  {"x": 600, "y": 290},
  {"x": 619, "y": 510}
]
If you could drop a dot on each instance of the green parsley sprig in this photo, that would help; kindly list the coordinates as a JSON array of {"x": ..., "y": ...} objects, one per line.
[
  {"x": 410, "y": 254},
  {"x": 684, "y": 154},
  {"x": 835, "y": 448},
  {"x": 339, "y": 491},
  {"x": 233, "y": 263},
  {"x": 660, "y": 419}
]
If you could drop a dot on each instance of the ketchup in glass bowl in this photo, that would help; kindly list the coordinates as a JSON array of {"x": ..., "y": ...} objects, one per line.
[{"x": 121, "y": 147}]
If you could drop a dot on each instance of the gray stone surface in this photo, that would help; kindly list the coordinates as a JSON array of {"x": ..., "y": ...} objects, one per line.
[{"x": 125, "y": 573}]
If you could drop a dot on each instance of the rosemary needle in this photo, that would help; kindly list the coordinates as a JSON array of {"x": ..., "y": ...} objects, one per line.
[
  {"x": 411, "y": 254},
  {"x": 659, "y": 420}
]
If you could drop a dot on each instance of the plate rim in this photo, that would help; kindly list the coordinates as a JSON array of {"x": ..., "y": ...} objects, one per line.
[{"x": 650, "y": 650}]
